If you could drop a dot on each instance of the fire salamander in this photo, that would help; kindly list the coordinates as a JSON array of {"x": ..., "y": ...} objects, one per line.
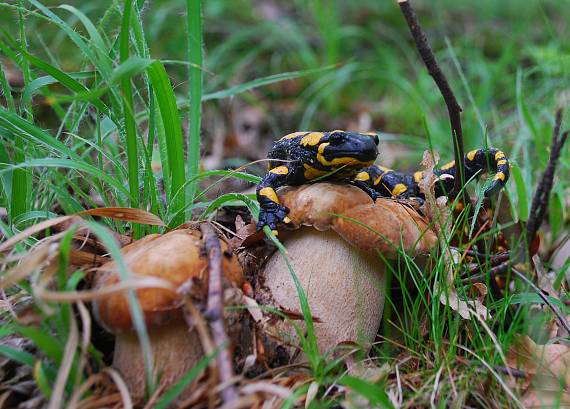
[{"x": 304, "y": 157}]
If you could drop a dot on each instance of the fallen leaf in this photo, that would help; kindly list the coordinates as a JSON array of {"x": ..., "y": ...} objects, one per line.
[
  {"x": 448, "y": 296},
  {"x": 547, "y": 368}
]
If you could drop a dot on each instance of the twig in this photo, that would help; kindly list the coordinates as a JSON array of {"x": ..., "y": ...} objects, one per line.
[
  {"x": 495, "y": 260},
  {"x": 453, "y": 107},
  {"x": 514, "y": 372},
  {"x": 542, "y": 195},
  {"x": 215, "y": 311},
  {"x": 492, "y": 258},
  {"x": 544, "y": 298}
]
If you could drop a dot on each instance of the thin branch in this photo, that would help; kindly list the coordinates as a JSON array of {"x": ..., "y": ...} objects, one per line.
[
  {"x": 491, "y": 258},
  {"x": 542, "y": 195},
  {"x": 544, "y": 298},
  {"x": 215, "y": 311},
  {"x": 494, "y": 261},
  {"x": 514, "y": 372},
  {"x": 453, "y": 107}
]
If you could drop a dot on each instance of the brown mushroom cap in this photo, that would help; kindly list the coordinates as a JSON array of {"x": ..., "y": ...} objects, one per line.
[
  {"x": 175, "y": 257},
  {"x": 385, "y": 225}
]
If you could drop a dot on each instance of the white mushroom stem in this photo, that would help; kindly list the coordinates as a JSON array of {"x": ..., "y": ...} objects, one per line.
[
  {"x": 344, "y": 287},
  {"x": 175, "y": 347}
]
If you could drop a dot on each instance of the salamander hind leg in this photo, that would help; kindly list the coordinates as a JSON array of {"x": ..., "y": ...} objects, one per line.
[{"x": 489, "y": 160}]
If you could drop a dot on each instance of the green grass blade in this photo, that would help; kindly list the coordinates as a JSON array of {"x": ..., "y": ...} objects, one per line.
[
  {"x": 173, "y": 134},
  {"x": 43, "y": 341},
  {"x": 6, "y": 89},
  {"x": 139, "y": 325},
  {"x": 78, "y": 165},
  {"x": 250, "y": 201},
  {"x": 374, "y": 393},
  {"x": 45, "y": 384},
  {"x": 310, "y": 345},
  {"x": 63, "y": 78},
  {"x": 556, "y": 213},
  {"x": 522, "y": 199},
  {"x": 21, "y": 179},
  {"x": 103, "y": 66},
  {"x": 24, "y": 129},
  {"x": 260, "y": 82},
  {"x": 22, "y": 357},
  {"x": 96, "y": 39},
  {"x": 129, "y": 68},
  {"x": 25, "y": 67},
  {"x": 195, "y": 58},
  {"x": 129, "y": 118}
]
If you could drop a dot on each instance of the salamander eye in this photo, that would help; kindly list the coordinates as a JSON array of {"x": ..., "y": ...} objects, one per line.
[
  {"x": 376, "y": 139},
  {"x": 336, "y": 137}
]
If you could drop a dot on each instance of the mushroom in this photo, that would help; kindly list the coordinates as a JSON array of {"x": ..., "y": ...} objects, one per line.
[
  {"x": 333, "y": 252},
  {"x": 175, "y": 257}
]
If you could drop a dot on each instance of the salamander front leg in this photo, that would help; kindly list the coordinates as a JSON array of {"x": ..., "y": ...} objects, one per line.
[{"x": 271, "y": 211}]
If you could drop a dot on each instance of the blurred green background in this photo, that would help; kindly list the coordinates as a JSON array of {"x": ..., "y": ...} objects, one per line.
[{"x": 508, "y": 62}]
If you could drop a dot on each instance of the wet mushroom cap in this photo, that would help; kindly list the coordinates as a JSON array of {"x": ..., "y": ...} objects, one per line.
[
  {"x": 385, "y": 225},
  {"x": 174, "y": 257}
]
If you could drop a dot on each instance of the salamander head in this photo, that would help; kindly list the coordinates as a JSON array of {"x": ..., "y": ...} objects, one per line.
[{"x": 347, "y": 148}]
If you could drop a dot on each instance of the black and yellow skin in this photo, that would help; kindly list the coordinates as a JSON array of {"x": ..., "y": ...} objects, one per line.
[
  {"x": 302, "y": 157},
  {"x": 384, "y": 182}
]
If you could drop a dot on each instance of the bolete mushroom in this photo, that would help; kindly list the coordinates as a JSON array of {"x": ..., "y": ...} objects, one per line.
[
  {"x": 175, "y": 257},
  {"x": 333, "y": 252}
]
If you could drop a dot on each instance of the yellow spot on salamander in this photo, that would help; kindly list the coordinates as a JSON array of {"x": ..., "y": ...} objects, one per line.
[
  {"x": 322, "y": 147},
  {"x": 418, "y": 176},
  {"x": 502, "y": 162},
  {"x": 500, "y": 176},
  {"x": 286, "y": 220},
  {"x": 280, "y": 170},
  {"x": 312, "y": 139},
  {"x": 362, "y": 176},
  {"x": 378, "y": 179},
  {"x": 269, "y": 193},
  {"x": 293, "y": 135},
  {"x": 448, "y": 165},
  {"x": 384, "y": 168},
  {"x": 471, "y": 155},
  {"x": 399, "y": 189},
  {"x": 344, "y": 160},
  {"x": 313, "y": 173},
  {"x": 499, "y": 155}
]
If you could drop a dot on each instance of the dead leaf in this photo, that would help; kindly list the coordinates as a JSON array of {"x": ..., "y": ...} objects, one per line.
[
  {"x": 125, "y": 214},
  {"x": 311, "y": 393},
  {"x": 246, "y": 235},
  {"x": 119, "y": 213},
  {"x": 547, "y": 369},
  {"x": 561, "y": 257},
  {"x": 463, "y": 307},
  {"x": 448, "y": 296},
  {"x": 545, "y": 279}
]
